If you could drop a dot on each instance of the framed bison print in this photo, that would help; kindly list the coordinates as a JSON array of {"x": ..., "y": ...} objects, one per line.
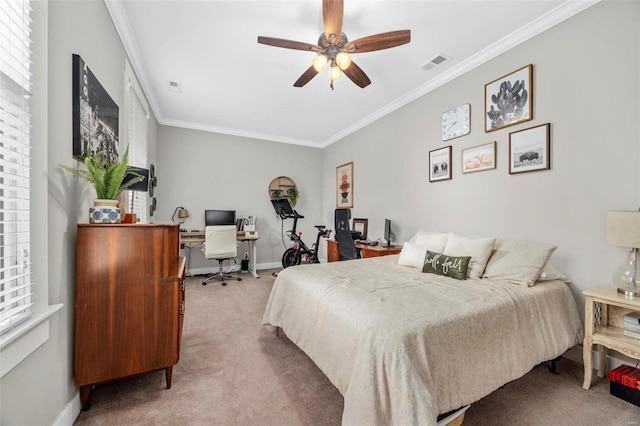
[
  {"x": 529, "y": 149},
  {"x": 440, "y": 164},
  {"x": 344, "y": 186}
]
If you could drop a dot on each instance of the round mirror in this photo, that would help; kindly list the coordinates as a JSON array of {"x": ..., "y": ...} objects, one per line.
[{"x": 284, "y": 187}]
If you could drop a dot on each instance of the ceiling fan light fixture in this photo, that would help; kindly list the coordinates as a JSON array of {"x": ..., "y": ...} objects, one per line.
[
  {"x": 334, "y": 72},
  {"x": 320, "y": 62},
  {"x": 343, "y": 59}
]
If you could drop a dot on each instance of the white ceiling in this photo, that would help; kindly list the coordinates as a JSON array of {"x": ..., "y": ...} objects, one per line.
[{"x": 230, "y": 84}]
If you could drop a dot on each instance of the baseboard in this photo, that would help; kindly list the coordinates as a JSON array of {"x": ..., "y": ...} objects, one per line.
[
  {"x": 233, "y": 269},
  {"x": 70, "y": 412}
]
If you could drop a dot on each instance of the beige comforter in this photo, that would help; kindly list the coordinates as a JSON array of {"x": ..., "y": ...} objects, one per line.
[{"x": 403, "y": 346}]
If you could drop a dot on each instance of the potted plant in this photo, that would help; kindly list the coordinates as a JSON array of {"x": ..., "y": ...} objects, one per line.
[
  {"x": 108, "y": 179},
  {"x": 293, "y": 194}
]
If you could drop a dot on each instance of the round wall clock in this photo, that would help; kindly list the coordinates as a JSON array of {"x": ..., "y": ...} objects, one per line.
[{"x": 456, "y": 122}]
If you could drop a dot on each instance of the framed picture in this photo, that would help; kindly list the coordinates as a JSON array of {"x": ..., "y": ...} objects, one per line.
[
  {"x": 440, "y": 164},
  {"x": 361, "y": 226},
  {"x": 509, "y": 99},
  {"x": 95, "y": 115},
  {"x": 477, "y": 158},
  {"x": 344, "y": 186},
  {"x": 529, "y": 149}
]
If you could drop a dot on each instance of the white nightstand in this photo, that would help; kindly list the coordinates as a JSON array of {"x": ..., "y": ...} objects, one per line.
[{"x": 604, "y": 313}]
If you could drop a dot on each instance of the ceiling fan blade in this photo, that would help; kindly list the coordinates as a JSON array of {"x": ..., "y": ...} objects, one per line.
[
  {"x": 288, "y": 44},
  {"x": 332, "y": 14},
  {"x": 379, "y": 41},
  {"x": 306, "y": 77},
  {"x": 356, "y": 75}
]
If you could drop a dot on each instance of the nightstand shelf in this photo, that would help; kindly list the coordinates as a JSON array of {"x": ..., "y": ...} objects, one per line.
[{"x": 605, "y": 309}]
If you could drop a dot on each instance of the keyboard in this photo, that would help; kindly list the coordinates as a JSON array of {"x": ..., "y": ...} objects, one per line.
[{"x": 367, "y": 242}]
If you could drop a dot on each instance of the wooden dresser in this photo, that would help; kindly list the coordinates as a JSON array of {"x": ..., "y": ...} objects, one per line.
[{"x": 129, "y": 302}]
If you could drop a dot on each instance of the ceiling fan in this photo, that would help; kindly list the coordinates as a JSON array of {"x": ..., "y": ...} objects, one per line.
[{"x": 335, "y": 50}]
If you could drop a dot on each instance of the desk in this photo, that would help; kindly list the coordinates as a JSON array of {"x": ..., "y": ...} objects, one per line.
[
  {"x": 333, "y": 251},
  {"x": 197, "y": 237}
]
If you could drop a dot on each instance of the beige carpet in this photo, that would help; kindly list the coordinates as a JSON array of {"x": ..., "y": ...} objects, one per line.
[{"x": 234, "y": 371}]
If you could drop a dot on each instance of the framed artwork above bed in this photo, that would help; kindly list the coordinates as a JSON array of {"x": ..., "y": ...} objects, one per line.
[
  {"x": 509, "y": 99},
  {"x": 440, "y": 164},
  {"x": 529, "y": 149}
]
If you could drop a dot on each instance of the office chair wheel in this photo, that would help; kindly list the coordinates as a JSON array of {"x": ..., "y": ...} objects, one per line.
[
  {"x": 239, "y": 279},
  {"x": 204, "y": 283},
  {"x": 224, "y": 284}
]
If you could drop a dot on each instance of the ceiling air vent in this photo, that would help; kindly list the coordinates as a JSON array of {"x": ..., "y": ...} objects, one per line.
[
  {"x": 434, "y": 62},
  {"x": 175, "y": 86}
]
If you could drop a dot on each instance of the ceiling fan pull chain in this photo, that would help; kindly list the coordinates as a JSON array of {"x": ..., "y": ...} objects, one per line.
[{"x": 331, "y": 84}]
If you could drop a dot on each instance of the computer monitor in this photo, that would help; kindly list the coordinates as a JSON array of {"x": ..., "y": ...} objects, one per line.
[
  {"x": 387, "y": 233},
  {"x": 219, "y": 217}
]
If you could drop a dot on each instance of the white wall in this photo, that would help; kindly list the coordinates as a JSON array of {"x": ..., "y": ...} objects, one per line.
[
  {"x": 200, "y": 170},
  {"x": 586, "y": 84}
]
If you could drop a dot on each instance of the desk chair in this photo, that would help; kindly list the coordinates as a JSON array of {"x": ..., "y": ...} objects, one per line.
[
  {"x": 220, "y": 244},
  {"x": 346, "y": 245}
]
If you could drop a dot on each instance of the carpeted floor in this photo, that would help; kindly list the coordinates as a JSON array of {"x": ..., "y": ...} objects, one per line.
[{"x": 234, "y": 371}]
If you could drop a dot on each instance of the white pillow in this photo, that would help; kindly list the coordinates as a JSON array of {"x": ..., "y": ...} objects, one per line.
[
  {"x": 412, "y": 255},
  {"x": 420, "y": 233},
  {"x": 433, "y": 242},
  {"x": 551, "y": 273},
  {"x": 478, "y": 248},
  {"x": 518, "y": 262}
]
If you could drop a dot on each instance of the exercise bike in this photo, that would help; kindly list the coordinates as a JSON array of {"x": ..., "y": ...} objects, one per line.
[{"x": 298, "y": 251}]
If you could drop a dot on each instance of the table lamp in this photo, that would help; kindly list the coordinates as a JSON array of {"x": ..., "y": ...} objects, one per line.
[
  {"x": 181, "y": 212},
  {"x": 623, "y": 229}
]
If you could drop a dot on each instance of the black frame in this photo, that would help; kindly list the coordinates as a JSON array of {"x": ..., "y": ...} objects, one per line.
[{"x": 95, "y": 115}]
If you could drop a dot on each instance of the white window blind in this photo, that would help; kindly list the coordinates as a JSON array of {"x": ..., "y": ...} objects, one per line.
[
  {"x": 15, "y": 158},
  {"x": 138, "y": 141}
]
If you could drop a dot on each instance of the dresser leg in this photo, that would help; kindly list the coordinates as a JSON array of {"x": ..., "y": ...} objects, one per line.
[
  {"x": 85, "y": 397},
  {"x": 167, "y": 374}
]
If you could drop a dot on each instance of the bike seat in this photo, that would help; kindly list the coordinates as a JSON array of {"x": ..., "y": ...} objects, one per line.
[{"x": 319, "y": 226}]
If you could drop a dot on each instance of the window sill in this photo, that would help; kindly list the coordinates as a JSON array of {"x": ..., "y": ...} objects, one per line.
[{"x": 19, "y": 343}]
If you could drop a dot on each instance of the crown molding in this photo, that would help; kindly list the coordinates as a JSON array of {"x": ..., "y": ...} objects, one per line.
[
  {"x": 120, "y": 21},
  {"x": 543, "y": 23},
  {"x": 237, "y": 132}
]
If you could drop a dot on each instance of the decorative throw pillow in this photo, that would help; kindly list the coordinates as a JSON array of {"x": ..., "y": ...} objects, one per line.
[
  {"x": 450, "y": 266},
  {"x": 518, "y": 262},
  {"x": 434, "y": 242},
  {"x": 478, "y": 248},
  {"x": 412, "y": 255}
]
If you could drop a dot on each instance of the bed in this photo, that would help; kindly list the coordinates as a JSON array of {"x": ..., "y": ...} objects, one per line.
[{"x": 403, "y": 346}]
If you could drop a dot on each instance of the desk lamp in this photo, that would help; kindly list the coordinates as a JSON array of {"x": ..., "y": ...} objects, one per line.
[
  {"x": 623, "y": 229},
  {"x": 182, "y": 213}
]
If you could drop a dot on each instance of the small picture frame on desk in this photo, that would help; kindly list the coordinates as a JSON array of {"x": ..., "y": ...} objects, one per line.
[{"x": 361, "y": 226}]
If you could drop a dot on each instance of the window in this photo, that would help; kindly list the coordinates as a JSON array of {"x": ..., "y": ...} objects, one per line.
[
  {"x": 137, "y": 137},
  {"x": 15, "y": 119},
  {"x": 24, "y": 296}
]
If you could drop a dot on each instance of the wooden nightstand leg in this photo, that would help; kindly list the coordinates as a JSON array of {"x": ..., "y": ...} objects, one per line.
[
  {"x": 587, "y": 344},
  {"x": 602, "y": 364},
  {"x": 587, "y": 357}
]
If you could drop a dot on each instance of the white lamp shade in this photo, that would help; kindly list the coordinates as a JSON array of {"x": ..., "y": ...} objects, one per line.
[{"x": 623, "y": 228}]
